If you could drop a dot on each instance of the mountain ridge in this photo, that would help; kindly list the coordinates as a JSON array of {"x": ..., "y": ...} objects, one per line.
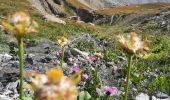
[{"x": 109, "y": 3}]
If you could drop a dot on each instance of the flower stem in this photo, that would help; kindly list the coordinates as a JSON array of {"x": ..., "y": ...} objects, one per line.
[
  {"x": 21, "y": 53},
  {"x": 128, "y": 76},
  {"x": 98, "y": 77},
  {"x": 62, "y": 59}
]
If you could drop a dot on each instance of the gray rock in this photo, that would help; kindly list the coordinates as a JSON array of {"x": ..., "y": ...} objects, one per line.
[
  {"x": 30, "y": 60},
  {"x": 15, "y": 64},
  {"x": 76, "y": 52},
  {"x": 13, "y": 86},
  {"x": 3, "y": 97},
  {"x": 5, "y": 57},
  {"x": 108, "y": 3},
  {"x": 142, "y": 96},
  {"x": 161, "y": 95},
  {"x": 154, "y": 98}
]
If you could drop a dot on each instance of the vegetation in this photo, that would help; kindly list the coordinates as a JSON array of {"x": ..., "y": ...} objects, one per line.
[
  {"x": 149, "y": 74},
  {"x": 142, "y": 8}
]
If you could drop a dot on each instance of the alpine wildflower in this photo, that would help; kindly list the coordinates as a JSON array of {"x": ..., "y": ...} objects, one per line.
[
  {"x": 20, "y": 25},
  {"x": 133, "y": 46},
  {"x": 62, "y": 41},
  {"x": 111, "y": 91},
  {"x": 54, "y": 85}
]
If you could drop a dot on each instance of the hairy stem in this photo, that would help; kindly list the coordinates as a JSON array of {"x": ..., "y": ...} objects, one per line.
[
  {"x": 21, "y": 54},
  {"x": 128, "y": 77}
]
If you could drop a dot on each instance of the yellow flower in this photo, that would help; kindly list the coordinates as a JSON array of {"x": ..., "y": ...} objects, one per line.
[
  {"x": 99, "y": 54},
  {"x": 132, "y": 44},
  {"x": 55, "y": 75},
  {"x": 20, "y": 24},
  {"x": 63, "y": 41},
  {"x": 54, "y": 86}
]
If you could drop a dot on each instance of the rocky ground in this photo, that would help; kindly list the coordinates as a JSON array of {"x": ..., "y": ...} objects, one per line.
[{"x": 48, "y": 53}]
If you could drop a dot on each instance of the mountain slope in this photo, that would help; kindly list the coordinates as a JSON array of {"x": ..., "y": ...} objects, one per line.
[{"x": 109, "y": 3}]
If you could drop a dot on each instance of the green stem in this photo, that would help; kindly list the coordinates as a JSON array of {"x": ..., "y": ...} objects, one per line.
[
  {"x": 21, "y": 53},
  {"x": 107, "y": 98},
  {"x": 62, "y": 59},
  {"x": 98, "y": 76},
  {"x": 128, "y": 76}
]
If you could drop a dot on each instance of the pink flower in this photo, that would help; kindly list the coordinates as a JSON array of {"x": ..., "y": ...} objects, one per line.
[
  {"x": 92, "y": 59},
  {"x": 59, "y": 53},
  {"x": 110, "y": 91},
  {"x": 85, "y": 77},
  {"x": 114, "y": 69},
  {"x": 99, "y": 91},
  {"x": 74, "y": 69}
]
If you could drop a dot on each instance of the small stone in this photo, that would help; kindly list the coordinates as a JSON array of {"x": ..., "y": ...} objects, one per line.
[
  {"x": 3, "y": 97},
  {"x": 76, "y": 52},
  {"x": 161, "y": 95},
  {"x": 142, "y": 96},
  {"x": 48, "y": 59},
  {"x": 154, "y": 98},
  {"x": 15, "y": 64},
  {"x": 29, "y": 59},
  {"x": 122, "y": 58},
  {"x": 5, "y": 57},
  {"x": 45, "y": 60}
]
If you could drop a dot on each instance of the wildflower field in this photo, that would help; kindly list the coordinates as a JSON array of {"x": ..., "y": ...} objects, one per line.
[{"x": 126, "y": 59}]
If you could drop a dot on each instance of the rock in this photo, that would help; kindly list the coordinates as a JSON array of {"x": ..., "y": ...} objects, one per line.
[
  {"x": 13, "y": 86},
  {"x": 48, "y": 50},
  {"x": 122, "y": 58},
  {"x": 1, "y": 74},
  {"x": 154, "y": 98},
  {"x": 75, "y": 52},
  {"x": 142, "y": 96},
  {"x": 98, "y": 4},
  {"x": 30, "y": 61},
  {"x": 161, "y": 95},
  {"x": 54, "y": 19},
  {"x": 76, "y": 18},
  {"x": 49, "y": 6},
  {"x": 45, "y": 60},
  {"x": 48, "y": 59},
  {"x": 91, "y": 24},
  {"x": 5, "y": 57},
  {"x": 1, "y": 87},
  {"x": 110, "y": 63},
  {"x": 15, "y": 64},
  {"x": 3, "y": 97},
  {"x": 79, "y": 21}
]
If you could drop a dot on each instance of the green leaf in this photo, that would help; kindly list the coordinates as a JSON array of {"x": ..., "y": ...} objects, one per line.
[{"x": 84, "y": 95}]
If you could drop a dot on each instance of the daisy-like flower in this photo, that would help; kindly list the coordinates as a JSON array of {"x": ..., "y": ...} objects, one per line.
[
  {"x": 54, "y": 86},
  {"x": 132, "y": 44},
  {"x": 20, "y": 24},
  {"x": 62, "y": 41},
  {"x": 110, "y": 91}
]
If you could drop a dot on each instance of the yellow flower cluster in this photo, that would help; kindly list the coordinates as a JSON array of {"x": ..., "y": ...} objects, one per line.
[
  {"x": 20, "y": 24},
  {"x": 132, "y": 44},
  {"x": 54, "y": 86},
  {"x": 62, "y": 41}
]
